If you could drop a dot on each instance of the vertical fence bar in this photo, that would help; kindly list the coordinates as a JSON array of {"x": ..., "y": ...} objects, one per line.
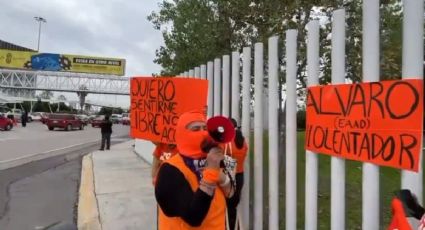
[
  {"x": 210, "y": 78},
  {"x": 197, "y": 72},
  {"x": 235, "y": 87},
  {"x": 244, "y": 207},
  {"x": 291, "y": 129},
  {"x": 311, "y": 164},
  {"x": 217, "y": 87},
  {"x": 273, "y": 134},
  {"x": 370, "y": 184},
  {"x": 258, "y": 135},
  {"x": 203, "y": 72},
  {"x": 186, "y": 74},
  {"x": 226, "y": 86},
  {"x": 413, "y": 61},
  {"x": 191, "y": 73},
  {"x": 338, "y": 164}
]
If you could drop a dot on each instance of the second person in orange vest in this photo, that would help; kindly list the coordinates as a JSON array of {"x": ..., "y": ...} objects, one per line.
[
  {"x": 161, "y": 153},
  {"x": 239, "y": 149}
]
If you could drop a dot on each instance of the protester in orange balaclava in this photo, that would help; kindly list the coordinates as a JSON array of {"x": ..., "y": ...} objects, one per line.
[{"x": 190, "y": 187}]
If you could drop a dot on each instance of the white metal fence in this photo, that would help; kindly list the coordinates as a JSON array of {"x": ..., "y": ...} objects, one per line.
[{"x": 225, "y": 73}]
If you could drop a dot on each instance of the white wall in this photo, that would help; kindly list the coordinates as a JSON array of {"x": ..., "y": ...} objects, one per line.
[{"x": 144, "y": 149}]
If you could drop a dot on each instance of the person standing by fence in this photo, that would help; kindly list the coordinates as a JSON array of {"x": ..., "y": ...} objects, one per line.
[{"x": 239, "y": 149}]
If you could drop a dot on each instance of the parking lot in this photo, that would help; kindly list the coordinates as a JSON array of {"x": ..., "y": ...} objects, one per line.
[{"x": 36, "y": 139}]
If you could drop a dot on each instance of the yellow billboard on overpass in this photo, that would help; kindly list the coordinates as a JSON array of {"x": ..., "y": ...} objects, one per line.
[{"x": 61, "y": 62}]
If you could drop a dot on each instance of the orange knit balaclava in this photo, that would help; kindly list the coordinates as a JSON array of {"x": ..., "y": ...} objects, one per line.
[{"x": 189, "y": 142}]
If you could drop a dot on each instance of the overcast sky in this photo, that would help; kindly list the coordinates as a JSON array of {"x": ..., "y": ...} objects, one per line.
[{"x": 105, "y": 28}]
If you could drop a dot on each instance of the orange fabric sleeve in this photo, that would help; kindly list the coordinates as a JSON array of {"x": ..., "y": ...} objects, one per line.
[
  {"x": 211, "y": 176},
  {"x": 399, "y": 220},
  {"x": 239, "y": 155}
]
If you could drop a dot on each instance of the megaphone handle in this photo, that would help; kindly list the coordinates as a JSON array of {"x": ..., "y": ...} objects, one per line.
[{"x": 222, "y": 165}]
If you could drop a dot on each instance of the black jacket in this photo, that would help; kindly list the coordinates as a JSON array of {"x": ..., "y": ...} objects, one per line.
[{"x": 106, "y": 126}]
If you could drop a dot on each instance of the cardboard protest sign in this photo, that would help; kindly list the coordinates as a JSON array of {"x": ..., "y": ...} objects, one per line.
[
  {"x": 377, "y": 122},
  {"x": 156, "y": 104}
]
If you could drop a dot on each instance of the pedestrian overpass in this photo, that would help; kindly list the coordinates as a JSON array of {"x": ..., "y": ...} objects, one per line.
[{"x": 64, "y": 82}]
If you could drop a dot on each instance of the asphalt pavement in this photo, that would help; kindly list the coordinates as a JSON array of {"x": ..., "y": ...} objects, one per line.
[
  {"x": 36, "y": 139},
  {"x": 44, "y": 192}
]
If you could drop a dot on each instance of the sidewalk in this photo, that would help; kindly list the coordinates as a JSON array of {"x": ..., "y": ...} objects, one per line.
[{"x": 116, "y": 191}]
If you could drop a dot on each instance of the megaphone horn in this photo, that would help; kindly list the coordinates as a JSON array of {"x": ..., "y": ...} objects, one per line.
[{"x": 221, "y": 129}]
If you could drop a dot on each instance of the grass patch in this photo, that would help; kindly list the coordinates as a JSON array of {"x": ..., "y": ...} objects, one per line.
[{"x": 390, "y": 180}]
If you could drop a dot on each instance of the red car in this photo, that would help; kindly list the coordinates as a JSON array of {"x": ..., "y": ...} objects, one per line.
[
  {"x": 44, "y": 117},
  {"x": 5, "y": 123},
  {"x": 97, "y": 121},
  {"x": 64, "y": 121}
]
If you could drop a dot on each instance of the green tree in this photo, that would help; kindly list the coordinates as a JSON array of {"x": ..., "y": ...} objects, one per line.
[
  {"x": 46, "y": 94},
  {"x": 109, "y": 111},
  {"x": 61, "y": 98},
  {"x": 193, "y": 34}
]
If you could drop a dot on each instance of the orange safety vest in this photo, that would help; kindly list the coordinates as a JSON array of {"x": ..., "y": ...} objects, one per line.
[{"x": 215, "y": 218}]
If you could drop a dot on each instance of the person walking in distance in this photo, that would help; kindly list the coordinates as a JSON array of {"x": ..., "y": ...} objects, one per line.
[
  {"x": 106, "y": 130},
  {"x": 24, "y": 118}
]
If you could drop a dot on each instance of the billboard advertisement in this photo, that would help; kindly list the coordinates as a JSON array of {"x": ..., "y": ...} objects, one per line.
[{"x": 28, "y": 60}]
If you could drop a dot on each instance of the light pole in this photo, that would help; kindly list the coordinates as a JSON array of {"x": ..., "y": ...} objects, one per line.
[{"x": 40, "y": 20}]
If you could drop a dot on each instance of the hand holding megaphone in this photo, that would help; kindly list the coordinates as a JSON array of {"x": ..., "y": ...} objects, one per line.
[{"x": 215, "y": 158}]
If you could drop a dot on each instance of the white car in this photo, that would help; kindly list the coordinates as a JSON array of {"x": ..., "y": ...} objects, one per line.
[
  {"x": 35, "y": 116},
  {"x": 116, "y": 118}
]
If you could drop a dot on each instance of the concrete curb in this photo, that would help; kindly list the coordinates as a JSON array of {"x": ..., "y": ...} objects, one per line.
[{"x": 88, "y": 214}]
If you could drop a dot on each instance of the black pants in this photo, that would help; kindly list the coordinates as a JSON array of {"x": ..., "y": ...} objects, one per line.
[
  {"x": 233, "y": 202},
  {"x": 106, "y": 137}
]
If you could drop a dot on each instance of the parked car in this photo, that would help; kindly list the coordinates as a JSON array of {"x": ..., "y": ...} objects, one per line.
[
  {"x": 83, "y": 118},
  {"x": 44, "y": 117},
  {"x": 17, "y": 113},
  {"x": 125, "y": 119},
  {"x": 91, "y": 118},
  {"x": 36, "y": 116},
  {"x": 116, "y": 118},
  {"x": 5, "y": 123},
  {"x": 64, "y": 121},
  {"x": 97, "y": 121}
]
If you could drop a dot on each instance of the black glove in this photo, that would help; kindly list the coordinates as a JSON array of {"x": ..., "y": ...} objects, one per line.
[{"x": 410, "y": 203}]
